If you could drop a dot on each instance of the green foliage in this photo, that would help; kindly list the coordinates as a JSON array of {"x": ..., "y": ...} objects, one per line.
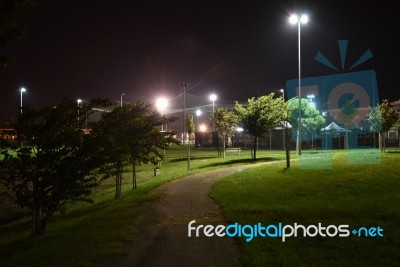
[
  {"x": 130, "y": 133},
  {"x": 382, "y": 118},
  {"x": 189, "y": 124},
  {"x": 225, "y": 122},
  {"x": 56, "y": 164},
  {"x": 260, "y": 115},
  {"x": 311, "y": 119}
]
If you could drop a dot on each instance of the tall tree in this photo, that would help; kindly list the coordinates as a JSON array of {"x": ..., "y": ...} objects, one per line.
[
  {"x": 311, "y": 119},
  {"x": 57, "y": 163},
  {"x": 144, "y": 139},
  {"x": 225, "y": 122},
  {"x": 114, "y": 149},
  {"x": 261, "y": 115},
  {"x": 382, "y": 119}
]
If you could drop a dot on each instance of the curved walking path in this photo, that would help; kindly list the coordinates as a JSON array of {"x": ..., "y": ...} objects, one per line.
[{"x": 163, "y": 236}]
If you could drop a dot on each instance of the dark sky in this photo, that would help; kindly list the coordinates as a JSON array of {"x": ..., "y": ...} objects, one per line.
[{"x": 237, "y": 49}]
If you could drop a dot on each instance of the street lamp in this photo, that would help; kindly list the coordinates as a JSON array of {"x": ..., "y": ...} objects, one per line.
[
  {"x": 213, "y": 97},
  {"x": 78, "y": 101},
  {"x": 184, "y": 85},
  {"x": 310, "y": 100},
  {"x": 161, "y": 105},
  {"x": 22, "y": 90},
  {"x": 283, "y": 93},
  {"x": 294, "y": 19},
  {"x": 121, "y": 98},
  {"x": 198, "y": 114}
]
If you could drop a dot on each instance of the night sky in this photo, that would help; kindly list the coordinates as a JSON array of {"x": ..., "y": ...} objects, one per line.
[{"x": 237, "y": 49}]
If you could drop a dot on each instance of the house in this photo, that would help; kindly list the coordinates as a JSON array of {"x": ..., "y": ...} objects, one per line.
[{"x": 7, "y": 131}]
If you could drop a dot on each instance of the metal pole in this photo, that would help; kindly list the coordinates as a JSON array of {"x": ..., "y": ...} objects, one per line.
[
  {"x": 299, "y": 119},
  {"x": 184, "y": 85},
  {"x": 21, "y": 100}
]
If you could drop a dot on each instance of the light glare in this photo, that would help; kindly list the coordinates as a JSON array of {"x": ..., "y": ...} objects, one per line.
[
  {"x": 161, "y": 103},
  {"x": 293, "y": 19},
  {"x": 304, "y": 19},
  {"x": 203, "y": 128},
  {"x": 213, "y": 97}
]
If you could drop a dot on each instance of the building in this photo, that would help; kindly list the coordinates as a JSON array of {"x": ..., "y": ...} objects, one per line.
[{"x": 8, "y": 132}]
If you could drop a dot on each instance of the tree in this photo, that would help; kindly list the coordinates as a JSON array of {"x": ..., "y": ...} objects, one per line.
[
  {"x": 382, "y": 118},
  {"x": 311, "y": 119},
  {"x": 260, "y": 115},
  {"x": 114, "y": 149},
  {"x": 56, "y": 165},
  {"x": 225, "y": 122},
  {"x": 190, "y": 130}
]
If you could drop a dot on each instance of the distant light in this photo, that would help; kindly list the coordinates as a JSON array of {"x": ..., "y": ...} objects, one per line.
[
  {"x": 293, "y": 19},
  {"x": 239, "y": 129},
  {"x": 213, "y": 97},
  {"x": 161, "y": 104},
  {"x": 203, "y": 128},
  {"x": 281, "y": 90},
  {"x": 79, "y": 101},
  {"x": 304, "y": 19},
  {"x": 198, "y": 112},
  {"x": 23, "y": 90}
]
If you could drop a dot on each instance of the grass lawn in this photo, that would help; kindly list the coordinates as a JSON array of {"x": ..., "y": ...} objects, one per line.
[
  {"x": 357, "y": 195},
  {"x": 88, "y": 234}
]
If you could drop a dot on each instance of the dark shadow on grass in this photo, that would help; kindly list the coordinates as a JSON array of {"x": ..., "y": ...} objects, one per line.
[
  {"x": 392, "y": 151},
  {"x": 237, "y": 161},
  {"x": 191, "y": 158}
]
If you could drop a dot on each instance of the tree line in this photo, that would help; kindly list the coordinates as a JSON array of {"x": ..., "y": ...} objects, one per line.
[{"x": 56, "y": 162}]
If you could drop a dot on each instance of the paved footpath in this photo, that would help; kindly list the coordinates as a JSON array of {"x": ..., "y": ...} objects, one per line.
[{"x": 163, "y": 238}]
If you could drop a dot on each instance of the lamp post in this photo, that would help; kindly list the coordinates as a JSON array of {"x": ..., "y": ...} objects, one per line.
[
  {"x": 22, "y": 90},
  {"x": 184, "y": 85},
  {"x": 294, "y": 19},
  {"x": 283, "y": 93},
  {"x": 78, "y": 101},
  {"x": 198, "y": 114},
  {"x": 213, "y": 97},
  {"x": 121, "y": 98},
  {"x": 161, "y": 105}
]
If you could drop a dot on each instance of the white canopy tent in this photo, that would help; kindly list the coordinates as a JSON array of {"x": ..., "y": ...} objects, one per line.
[{"x": 333, "y": 128}]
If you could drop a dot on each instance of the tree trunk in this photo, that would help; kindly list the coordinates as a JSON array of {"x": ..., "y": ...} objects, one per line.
[
  {"x": 255, "y": 147},
  {"x": 118, "y": 184},
  {"x": 133, "y": 174},
  {"x": 46, "y": 219}
]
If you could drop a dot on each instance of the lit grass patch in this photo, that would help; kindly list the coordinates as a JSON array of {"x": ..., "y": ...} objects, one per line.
[{"x": 357, "y": 195}]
